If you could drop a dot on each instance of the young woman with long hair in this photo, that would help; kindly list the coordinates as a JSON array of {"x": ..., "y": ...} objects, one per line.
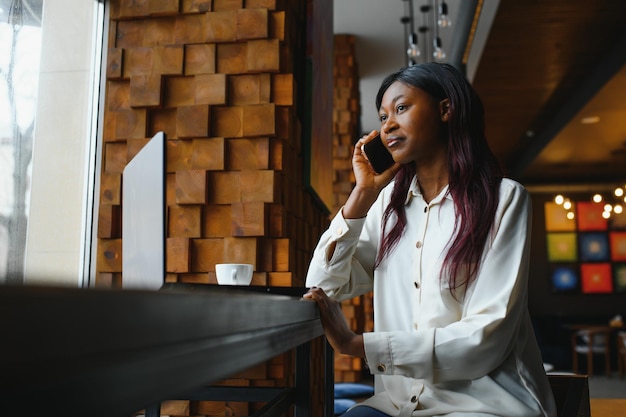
[{"x": 442, "y": 240}]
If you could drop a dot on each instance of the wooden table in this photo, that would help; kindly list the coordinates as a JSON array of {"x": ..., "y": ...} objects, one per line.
[{"x": 110, "y": 353}]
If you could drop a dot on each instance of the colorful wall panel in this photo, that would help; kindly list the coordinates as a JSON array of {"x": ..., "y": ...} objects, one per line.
[{"x": 587, "y": 254}]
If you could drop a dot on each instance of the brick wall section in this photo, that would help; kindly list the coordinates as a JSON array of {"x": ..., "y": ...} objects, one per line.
[
  {"x": 346, "y": 130},
  {"x": 220, "y": 78}
]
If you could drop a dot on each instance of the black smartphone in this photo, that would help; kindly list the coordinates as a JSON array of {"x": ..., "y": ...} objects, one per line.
[{"x": 378, "y": 155}]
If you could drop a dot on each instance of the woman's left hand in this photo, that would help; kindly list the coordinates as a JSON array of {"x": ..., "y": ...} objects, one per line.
[{"x": 338, "y": 333}]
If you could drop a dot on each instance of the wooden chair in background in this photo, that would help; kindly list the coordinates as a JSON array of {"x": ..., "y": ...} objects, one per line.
[{"x": 589, "y": 342}]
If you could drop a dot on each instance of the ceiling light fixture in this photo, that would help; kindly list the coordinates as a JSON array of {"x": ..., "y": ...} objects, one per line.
[
  {"x": 434, "y": 15},
  {"x": 444, "y": 19},
  {"x": 612, "y": 204},
  {"x": 590, "y": 120}
]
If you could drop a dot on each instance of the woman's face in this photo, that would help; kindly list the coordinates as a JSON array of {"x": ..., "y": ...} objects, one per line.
[{"x": 411, "y": 123}]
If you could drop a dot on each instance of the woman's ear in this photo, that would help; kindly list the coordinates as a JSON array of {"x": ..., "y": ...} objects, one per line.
[{"x": 444, "y": 109}]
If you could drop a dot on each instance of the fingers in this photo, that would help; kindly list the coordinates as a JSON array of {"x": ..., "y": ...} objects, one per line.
[{"x": 358, "y": 147}]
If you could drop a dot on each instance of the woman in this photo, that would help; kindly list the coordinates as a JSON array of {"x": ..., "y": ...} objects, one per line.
[{"x": 442, "y": 240}]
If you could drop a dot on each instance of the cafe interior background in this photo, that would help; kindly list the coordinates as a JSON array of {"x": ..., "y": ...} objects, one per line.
[{"x": 551, "y": 74}]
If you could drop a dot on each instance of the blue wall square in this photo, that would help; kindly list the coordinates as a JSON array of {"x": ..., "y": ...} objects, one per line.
[{"x": 594, "y": 247}]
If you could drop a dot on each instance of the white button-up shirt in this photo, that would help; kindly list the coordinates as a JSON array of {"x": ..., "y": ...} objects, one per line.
[{"x": 432, "y": 354}]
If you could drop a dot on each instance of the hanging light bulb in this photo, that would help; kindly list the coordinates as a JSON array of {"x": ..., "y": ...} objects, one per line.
[
  {"x": 444, "y": 19},
  {"x": 608, "y": 207},
  {"x": 567, "y": 204},
  {"x": 559, "y": 199},
  {"x": 606, "y": 214},
  {"x": 414, "y": 51},
  {"x": 570, "y": 215},
  {"x": 619, "y": 192},
  {"x": 597, "y": 198},
  {"x": 438, "y": 53},
  {"x": 618, "y": 209}
]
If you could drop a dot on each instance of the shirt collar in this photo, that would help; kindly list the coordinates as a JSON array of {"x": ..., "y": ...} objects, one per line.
[{"x": 414, "y": 191}]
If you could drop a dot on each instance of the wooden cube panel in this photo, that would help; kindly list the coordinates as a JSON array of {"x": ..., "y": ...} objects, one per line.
[
  {"x": 210, "y": 89},
  {"x": 179, "y": 92},
  {"x": 240, "y": 250},
  {"x": 111, "y": 189},
  {"x": 206, "y": 253},
  {"x": 118, "y": 96},
  {"x": 221, "y": 26},
  {"x": 134, "y": 8},
  {"x": 199, "y": 278},
  {"x": 137, "y": 61},
  {"x": 227, "y": 4},
  {"x": 115, "y": 60},
  {"x": 208, "y": 154},
  {"x": 200, "y": 59},
  {"x": 263, "y": 4},
  {"x": 196, "y": 6},
  {"x": 184, "y": 221},
  {"x": 227, "y": 122},
  {"x": 251, "y": 24},
  {"x": 259, "y": 120},
  {"x": 277, "y": 221},
  {"x": 109, "y": 257},
  {"x": 258, "y": 185},
  {"x": 145, "y": 91},
  {"x": 192, "y": 121},
  {"x": 108, "y": 280},
  {"x": 114, "y": 158},
  {"x": 159, "y": 31},
  {"x": 283, "y": 89},
  {"x": 163, "y": 120},
  {"x": 191, "y": 187},
  {"x": 168, "y": 60},
  {"x": 280, "y": 279},
  {"x": 216, "y": 220},
  {"x": 190, "y": 29},
  {"x": 110, "y": 221},
  {"x": 277, "y": 26},
  {"x": 249, "y": 89},
  {"x": 249, "y": 219},
  {"x": 130, "y": 124},
  {"x": 263, "y": 55},
  {"x": 247, "y": 154},
  {"x": 232, "y": 58},
  {"x": 177, "y": 254},
  {"x": 225, "y": 187},
  {"x": 164, "y": 7}
]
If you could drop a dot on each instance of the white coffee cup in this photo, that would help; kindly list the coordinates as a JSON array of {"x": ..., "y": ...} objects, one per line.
[{"x": 234, "y": 274}]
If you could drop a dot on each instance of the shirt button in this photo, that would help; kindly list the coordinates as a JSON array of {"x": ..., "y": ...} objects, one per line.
[
  {"x": 417, "y": 285},
  {"x": 381, "y": 367},
  {"x": 415, "y": 326},
  {"x": 414, "y": 399},
  {"x": 339, "y": 230},
  {"x": 418, "y": 244}
]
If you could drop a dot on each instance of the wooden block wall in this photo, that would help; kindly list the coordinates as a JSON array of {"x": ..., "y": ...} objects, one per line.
[
  {"x": 346, "y": 117},
  {"x": 346, "y": 131},
  {"x": 220, "y": 78}
]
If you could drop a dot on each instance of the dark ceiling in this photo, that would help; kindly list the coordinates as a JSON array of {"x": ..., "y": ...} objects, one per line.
[{"x": 546, "y": 66}]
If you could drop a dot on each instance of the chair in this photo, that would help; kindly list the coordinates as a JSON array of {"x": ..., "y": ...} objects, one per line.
[
  {"x": 571, "y": 394},
  {"x": 590, "y": 341},
  {"x": 621, "y": 353}
]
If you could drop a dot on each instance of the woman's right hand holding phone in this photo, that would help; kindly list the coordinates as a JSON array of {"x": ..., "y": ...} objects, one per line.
[{"x": 368, "y": 182}]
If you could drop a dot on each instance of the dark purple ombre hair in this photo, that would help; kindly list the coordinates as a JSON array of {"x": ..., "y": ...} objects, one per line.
[{"x": 473, "y": 172}]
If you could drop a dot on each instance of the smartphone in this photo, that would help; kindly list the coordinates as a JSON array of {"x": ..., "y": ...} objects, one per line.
[{"x": 378, "y": 155}]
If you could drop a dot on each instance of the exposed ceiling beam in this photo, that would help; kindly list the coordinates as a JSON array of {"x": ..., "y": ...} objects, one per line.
[{"x": 604, "y": 71}]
